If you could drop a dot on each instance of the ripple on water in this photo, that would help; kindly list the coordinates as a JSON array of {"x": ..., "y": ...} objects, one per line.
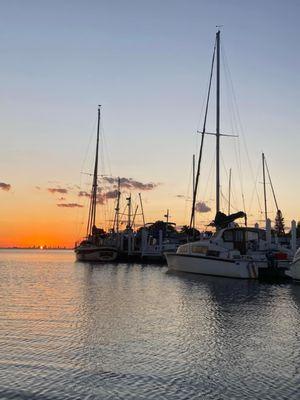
[{"x": 74, "y": 331}]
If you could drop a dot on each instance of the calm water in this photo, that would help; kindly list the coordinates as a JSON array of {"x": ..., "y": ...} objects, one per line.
[{"x": 75, "y": 331}]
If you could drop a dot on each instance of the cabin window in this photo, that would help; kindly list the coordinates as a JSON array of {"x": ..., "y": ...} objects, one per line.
[
  {"x": 213, "y": 253},
  {"x": 199, "y": 249},
  {"x": 250, "y": 236},
  {"x": 183, "y": 249},
  {"x": 239, "y": 236},
  {"x": 228, "y": 236}
]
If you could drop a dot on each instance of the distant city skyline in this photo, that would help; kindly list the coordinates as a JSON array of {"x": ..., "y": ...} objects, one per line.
[{"x": 147, "y": 64}]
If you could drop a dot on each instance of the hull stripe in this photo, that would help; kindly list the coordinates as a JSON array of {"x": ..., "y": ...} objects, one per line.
[{"x": 205, "y": 257}]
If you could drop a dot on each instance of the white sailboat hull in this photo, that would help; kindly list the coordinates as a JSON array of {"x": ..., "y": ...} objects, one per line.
[
  {"x": 294, "y": 271},
  {"x": 243, "y": 269},
  {"x": 294, "y": 268}
]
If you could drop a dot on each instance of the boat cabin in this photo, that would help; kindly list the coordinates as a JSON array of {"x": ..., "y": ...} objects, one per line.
[{"x": 240, "y": 240}]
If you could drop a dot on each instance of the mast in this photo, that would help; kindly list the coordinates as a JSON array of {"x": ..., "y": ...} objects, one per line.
[
  {"x": 117, "y": 209},
  {"x": 218, "y": 126},
  {"x": 264, "y": 183},
  {"x": 272, "y": 187},
  {"x": 93, "y": 201},
  {"x": 229, "y": 192},
  {"x": 167, "y": 216},
  {"x": 129, "y": 212},
  {"x": 142, "y": 208},
  {"x": 202, "y": 138},
  {"x": 193, "y": 187},
  {"x": 134, "y": 215}
]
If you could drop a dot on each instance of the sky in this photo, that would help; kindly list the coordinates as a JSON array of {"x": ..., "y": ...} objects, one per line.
[{"x": 147, "y": 63}]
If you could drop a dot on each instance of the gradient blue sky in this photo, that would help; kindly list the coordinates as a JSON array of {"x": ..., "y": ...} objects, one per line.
[{"x": 147, "y": 63}]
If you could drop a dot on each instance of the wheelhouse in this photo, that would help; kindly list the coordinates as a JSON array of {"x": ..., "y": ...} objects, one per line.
[{"x": 243, "y": 239}]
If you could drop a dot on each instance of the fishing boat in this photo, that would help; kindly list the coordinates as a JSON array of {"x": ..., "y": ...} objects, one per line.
[
  {"x": 233, "y": 251},
  {"x": 93, "y": 247}
]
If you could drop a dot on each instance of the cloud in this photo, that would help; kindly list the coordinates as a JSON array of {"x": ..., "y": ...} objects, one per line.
[
  {"x": 57, "y": 190},
  {"x": 100, "y": 199},
  {"x": 5, "y": 186},
  {"x": 202, "y": 207},
  {"x": 111, "y": 194},
  {"x": 70, "y": 205},
  {"x": 103, "y": 197},
  {"x": 61, "y": 199},
  {"x": 180, "y": 196},
  {"x": 83, "y": 193},
  {"x": 129, "y": 183},
  {"x": 38, "y": 188}
]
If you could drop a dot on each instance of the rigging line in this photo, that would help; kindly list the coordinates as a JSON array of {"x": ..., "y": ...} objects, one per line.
[
  {"x": 209, "y": 180},
  {"x": 105, "y": 145},
  {"x": 232, "y": 188},
  {"x": 241, "y": 127},
  {"x": 123, "y": 214},
  {"x": 273, "y": 192},
  {"x": 227, "y": 201},
  {"x": 187, "y": 196},
  {"x": 253, "y": 191},
  {"x": 202, "y": 107},
  {"x": 81, "y": 211},
  {"x": 237, "y": 148},
  {"x": 202, "y": 138}
]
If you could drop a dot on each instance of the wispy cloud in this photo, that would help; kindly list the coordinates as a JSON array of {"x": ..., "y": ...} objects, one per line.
[
  {"x": 5, "y": 186},
  {"x": 202, "y": 207},
  {"x": 83, "y": 193},
  {"x": 111, "y": 194},
  {"x": 58, "y": 190},
  {"x": 103, "y": 197},
  {"x": 70, "y": 205},
  {"x": 129, "y": 183}
]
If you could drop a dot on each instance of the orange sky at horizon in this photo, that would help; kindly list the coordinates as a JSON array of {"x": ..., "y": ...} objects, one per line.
[{"x": 32, "y": 217}]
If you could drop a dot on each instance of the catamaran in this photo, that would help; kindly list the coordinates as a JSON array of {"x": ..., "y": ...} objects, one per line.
[{"x": 233, "y": 251}]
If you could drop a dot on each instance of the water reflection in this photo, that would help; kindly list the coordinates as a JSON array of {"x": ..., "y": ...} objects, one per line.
[{"x": 73, "y": 330}]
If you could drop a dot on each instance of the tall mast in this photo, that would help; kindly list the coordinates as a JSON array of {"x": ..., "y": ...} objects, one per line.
[
  {"x": 218, "y": 126},
  {"x": 93, "y": 202},
  {"x": 264, "y": 183},
  {"x": 117, "y": 209},
  {"x": 193, "y": 188},
  {"x": 202, "y": 138},
  {"x": 229, "y": 192}
]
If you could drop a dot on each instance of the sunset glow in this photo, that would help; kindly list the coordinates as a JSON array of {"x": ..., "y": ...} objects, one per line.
[{"x": 60, "y": 63}]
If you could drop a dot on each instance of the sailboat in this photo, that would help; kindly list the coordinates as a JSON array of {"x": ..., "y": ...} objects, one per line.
[
  {"x": 233, "y": 251},
  {"x": 92, "y": 247}
]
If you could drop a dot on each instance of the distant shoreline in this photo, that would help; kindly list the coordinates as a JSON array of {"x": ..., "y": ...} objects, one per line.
[{"x": 36, "y": 248}]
